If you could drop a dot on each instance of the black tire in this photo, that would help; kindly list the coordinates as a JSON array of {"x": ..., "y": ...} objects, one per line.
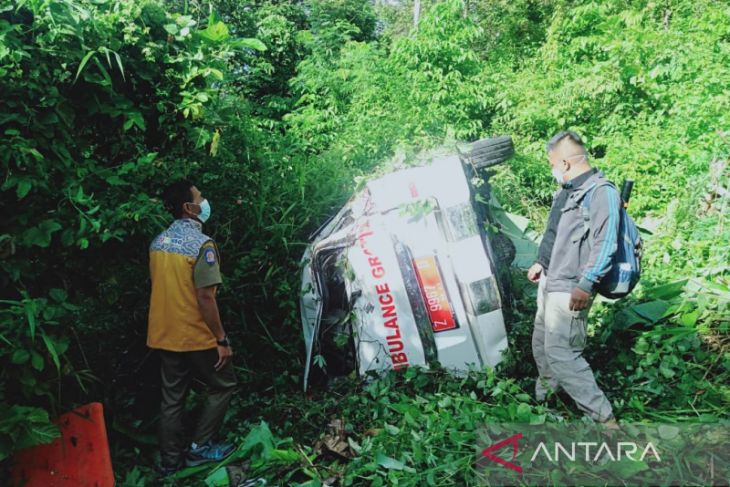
[
  {"x": 492, "y": 151},
  {"x": 504, "y": 249}
]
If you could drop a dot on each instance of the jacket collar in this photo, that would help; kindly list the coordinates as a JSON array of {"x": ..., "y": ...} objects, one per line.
[
  {"x": 188, "y": 223},
  {"x": 578, "y": 181},
  {"x": 585, "y": 186}
]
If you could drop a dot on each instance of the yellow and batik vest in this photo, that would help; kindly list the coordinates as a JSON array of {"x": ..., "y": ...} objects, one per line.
[{"x": 175, "y": 321}]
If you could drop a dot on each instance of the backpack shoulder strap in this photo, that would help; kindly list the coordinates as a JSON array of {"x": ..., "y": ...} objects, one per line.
[
  {"x": 581, "y": 196},
  {"x": 583, "y": 200}
]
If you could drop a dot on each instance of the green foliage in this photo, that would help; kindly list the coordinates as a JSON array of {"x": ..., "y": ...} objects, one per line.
[
  {"x": 22, "y": 427},
  {"x": 92, "y": 93}
]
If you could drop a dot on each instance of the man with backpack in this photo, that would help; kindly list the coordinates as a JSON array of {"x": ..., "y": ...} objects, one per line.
[{"x": 576, "y": 252}]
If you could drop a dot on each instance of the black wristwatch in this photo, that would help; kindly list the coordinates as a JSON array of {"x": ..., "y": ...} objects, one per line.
[{"x": 224, "y": 342}]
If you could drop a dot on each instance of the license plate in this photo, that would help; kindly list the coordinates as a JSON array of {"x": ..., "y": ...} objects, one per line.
[{"x": 434, "y": 293}]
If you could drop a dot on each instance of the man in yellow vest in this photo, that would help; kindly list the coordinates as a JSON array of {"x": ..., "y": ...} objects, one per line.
[{"x": 185, "y": 326}]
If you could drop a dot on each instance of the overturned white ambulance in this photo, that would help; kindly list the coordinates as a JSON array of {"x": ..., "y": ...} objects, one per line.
[{"x": 405, "y": 275}]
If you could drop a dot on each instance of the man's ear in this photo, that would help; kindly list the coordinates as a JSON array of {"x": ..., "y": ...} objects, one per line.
[{"x": 188, "y": 208}]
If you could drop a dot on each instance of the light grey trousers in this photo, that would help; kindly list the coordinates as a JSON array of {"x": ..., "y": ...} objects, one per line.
[{"x": 558, "y": 340}]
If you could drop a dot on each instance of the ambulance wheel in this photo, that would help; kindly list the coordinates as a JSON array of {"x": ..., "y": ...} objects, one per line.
[
  {"x": 504, "y": 249},
  {"x": 490, "y": 152}
]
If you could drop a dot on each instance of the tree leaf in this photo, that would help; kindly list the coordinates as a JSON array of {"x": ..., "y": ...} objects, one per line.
[
  {"x": 23, "y": 187},
  {"x": 20, "y": 356},
  {"x": 40, "y": 235},
  {"x": 104, "y": 73},
  {"x": 119, "y": 63},
  {"x": 83, "y": 64},
  {"x": 58, "y": 295},
  {"x": 30, "y": 311},
  {"x": 51, "y": 350},
  {"x": 108, "y": 59},
  {"x": 690, "y": 319},
  {"x": 389, "y": 463},
  {"x": 652, "y": 311},
  {"x": 215, "y": 32},
  {"x": 249, "y": 43},
  {"x": 36, "y": 360},
  {"x": 666, "y": 291}
]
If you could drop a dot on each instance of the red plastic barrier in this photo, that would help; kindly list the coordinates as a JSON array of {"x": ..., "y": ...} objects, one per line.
[{"x": 79, "y": 458}]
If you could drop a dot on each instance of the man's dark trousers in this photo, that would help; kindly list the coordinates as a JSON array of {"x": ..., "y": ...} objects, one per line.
[{"x": 177, "y": 369}]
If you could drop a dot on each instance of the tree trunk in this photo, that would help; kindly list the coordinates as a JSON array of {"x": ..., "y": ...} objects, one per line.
[{"x": 416, "y": 13}]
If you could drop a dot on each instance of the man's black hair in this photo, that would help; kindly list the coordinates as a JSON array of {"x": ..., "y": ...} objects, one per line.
[
  {"x": 176, "y": 195},
  {"x": 565, "y": 134}
]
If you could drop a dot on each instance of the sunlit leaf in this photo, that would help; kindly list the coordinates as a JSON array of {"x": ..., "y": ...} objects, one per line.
[{"x": 84, "y": 60}]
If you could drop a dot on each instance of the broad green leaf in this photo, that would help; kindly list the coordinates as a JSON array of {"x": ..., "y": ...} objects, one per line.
[
  {"x": 217, "y": 73},
  {"x": 389, "y": 463},
  {"x": 58, "y": 295},
  {"x": 248, "y": 43},
  {"x": 36, "y": 360},
  {"x": 666, "y": 291},
  {"x": 40, "y": 235},
  {"x": 653, "y": 311},
  {"x": 83, "y": 63},
  {"x": 38, "y": 434},
  {"x": 50, "y": 346},
  {"x": 219, "y": 478},
  {"x": 134, "y": 118},
  {"x": 354, "y": 445},
  {"x": 20, "y": 356},
  {"x": 690, "y": 319},
  {"x": 260, "y": 435},
  {"x": 216, "y": 32},
  {"x": 667, "y": 431},
  {"x": 23, "y": 188},
  {"x": 666, "y": 371},
  {"x": 718, "y": 288}
]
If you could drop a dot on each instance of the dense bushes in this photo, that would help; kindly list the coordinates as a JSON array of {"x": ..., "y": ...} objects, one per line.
[
  {"x": 98, "y": 102},
  {"x": 102, "y": 105}
]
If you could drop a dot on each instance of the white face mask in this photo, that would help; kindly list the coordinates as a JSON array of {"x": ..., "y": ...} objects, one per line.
[{"x": 559, "y": 175}]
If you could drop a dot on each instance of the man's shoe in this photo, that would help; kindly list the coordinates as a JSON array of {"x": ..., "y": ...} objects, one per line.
[{"x": 209, "y": 452}]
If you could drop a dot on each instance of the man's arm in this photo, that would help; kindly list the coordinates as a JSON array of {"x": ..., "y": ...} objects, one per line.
[
  {"x": 548, "y": 238},
  {"x": 209, "y": 309},
  {"x": 546, "y": 243},
  {"x": 207, "y": 277},
  {"x": 604, "y": 211}
]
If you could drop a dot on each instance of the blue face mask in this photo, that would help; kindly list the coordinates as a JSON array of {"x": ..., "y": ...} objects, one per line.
[{"x": 204, "y": 211}]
